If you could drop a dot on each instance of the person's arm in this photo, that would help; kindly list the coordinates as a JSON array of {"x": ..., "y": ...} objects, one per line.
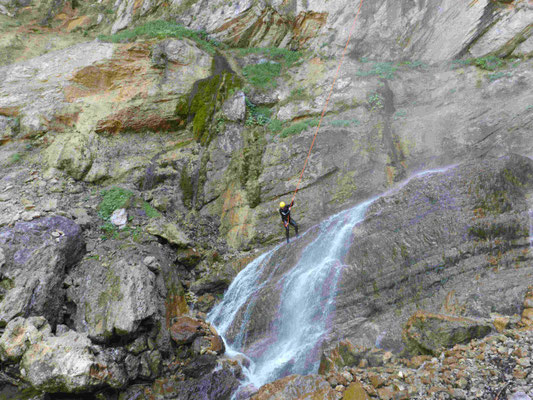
[{"x": 292, "y": 203}]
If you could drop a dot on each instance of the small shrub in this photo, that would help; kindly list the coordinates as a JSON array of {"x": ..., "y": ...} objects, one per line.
[
  {"x": 257, "y": 115},
  {"x": 375, "y": 101},
  {"x": 112, "y": 200}
]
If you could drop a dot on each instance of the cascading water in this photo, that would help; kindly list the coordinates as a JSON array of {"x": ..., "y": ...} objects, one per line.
[
  {"x": 305, "y": 290},
  {"x": 306, "y": 294}
]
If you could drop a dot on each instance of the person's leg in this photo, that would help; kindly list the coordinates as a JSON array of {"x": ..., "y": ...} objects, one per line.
[
  {"x": 293, "y": 223},
  {"x": 287, "y": 232}
]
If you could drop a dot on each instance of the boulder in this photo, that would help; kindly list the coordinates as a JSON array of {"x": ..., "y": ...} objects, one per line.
[
  {"x": 37, "y": 255},
  {"x": 170, "y": 232},
  {"x": 200, "y": 365},
  {"x": 234, "y": 108},
  {"x": 355, "y": 392},
  {"x": 73, "y": 153},
  {"x": 185, "y": 329},
  {"x": 220, "y": 383},
  {"x": 112, "y": 300},
  {"x": 428, "y": 333},
  {"x": 64, "y": 363},
  {"x": 180, "y": 53},
  {"x": 20, "y": 334},
  {"x": 295, "y": 387}
]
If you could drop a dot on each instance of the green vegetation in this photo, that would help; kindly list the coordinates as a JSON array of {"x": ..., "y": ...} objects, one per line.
[
  {"x": 204, "y": 102},
  {"x": 7, "y": 284},
  {"x": 110, "y": 231},
  {"x": 345, "y": 187},
  {"x": 298, "y": 127},
  {"x": 344, "y": 122},
  {"x": 16, "y": 157},
  {"x": 487, "y": 63},
  {"x": 160, "y": 30},
  {"x": 497, "y": 75},
  {"x": 275, "y": 125},
  {"x": 150, "y": 211},
  {"x": 375, "y": 101},
  {"x": 286, "y": 57},
  {"x": 264, "y": 75},
  {"x": 400, "y": 114},
  {"x": 186, "y": 188},
  {"x": 257, "y": 115},
  {"x": 251, "y": 166},
  {"x": 113, "y": 199},
  {"x": 296, "y": 95},
  {"x": 384, "y": 70},
  {"x": 113, "y": 292}
]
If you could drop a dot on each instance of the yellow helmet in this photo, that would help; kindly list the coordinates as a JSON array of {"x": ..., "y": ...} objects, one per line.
[{"x": 281, "y": 205}]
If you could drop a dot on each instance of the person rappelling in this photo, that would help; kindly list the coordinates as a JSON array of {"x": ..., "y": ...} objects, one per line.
[{"x": 285, "y": 211}]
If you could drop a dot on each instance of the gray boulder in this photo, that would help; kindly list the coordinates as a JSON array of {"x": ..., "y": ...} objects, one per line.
[
  {"x": 37, "y": 254},
  {"x": 64, "y": 363},
  {"x": 20, "y": 334},
  {"x": 234, "y": 109},
  {"x": 112, "y": 299},
  {"x": 429, "y": 333}
]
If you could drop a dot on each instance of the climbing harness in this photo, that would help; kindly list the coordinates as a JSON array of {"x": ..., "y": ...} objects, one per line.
[{"x": 352, "y": 29}]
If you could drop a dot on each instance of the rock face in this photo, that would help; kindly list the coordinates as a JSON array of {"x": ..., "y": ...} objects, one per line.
[
  {"x": 433, "y": 239},
  {"x": 385, "y": 29},
  {"x": 37, "y": 255}
]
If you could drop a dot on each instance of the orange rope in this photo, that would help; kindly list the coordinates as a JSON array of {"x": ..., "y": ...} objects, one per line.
[{"x": 327, "y": 100}]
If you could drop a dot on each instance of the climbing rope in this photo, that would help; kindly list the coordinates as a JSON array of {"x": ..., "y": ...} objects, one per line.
[{"x": 352, "y": 29}]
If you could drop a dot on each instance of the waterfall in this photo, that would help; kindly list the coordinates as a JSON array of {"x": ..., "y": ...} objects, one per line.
[
  {"x": 307, "y": 292},
  {"x": 294, "y": 332}
]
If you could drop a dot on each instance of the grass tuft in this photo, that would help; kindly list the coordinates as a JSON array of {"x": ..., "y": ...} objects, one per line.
[
  {"x": 161, "y": 30},
  {"x": 298, "y": 127},
  {"x": 264, "y": 74},
  {"x": 113, "y": 199}
]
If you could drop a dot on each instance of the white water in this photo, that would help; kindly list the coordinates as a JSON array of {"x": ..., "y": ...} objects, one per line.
[
  {"x": 307, "y": 295},
  {"x": 307, "y": 300}
]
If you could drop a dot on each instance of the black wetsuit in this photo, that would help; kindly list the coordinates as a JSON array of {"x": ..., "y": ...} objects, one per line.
[{"x": 287, "y": 219}]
